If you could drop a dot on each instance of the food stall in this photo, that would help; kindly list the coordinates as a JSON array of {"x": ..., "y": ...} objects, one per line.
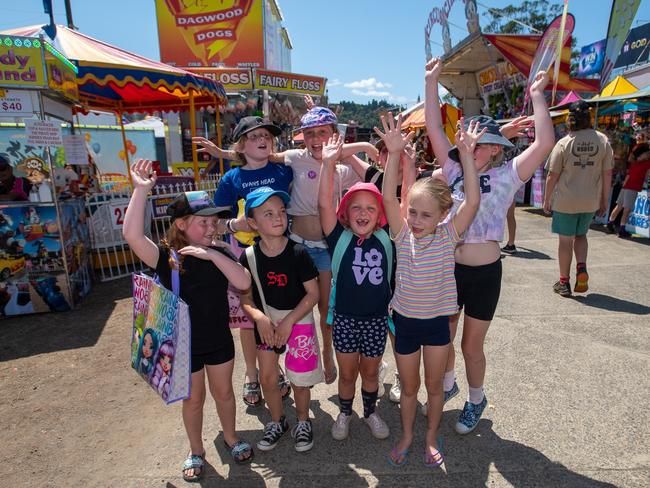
[{"x": 44, "y": 237}]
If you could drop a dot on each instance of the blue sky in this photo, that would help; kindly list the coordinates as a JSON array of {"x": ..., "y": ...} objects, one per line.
[{"x": 366, "y": 48}]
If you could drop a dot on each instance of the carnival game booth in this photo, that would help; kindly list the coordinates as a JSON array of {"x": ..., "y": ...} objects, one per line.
[
  {"x": 44, "y": 233},
  {"x": 114, "y": 80}
]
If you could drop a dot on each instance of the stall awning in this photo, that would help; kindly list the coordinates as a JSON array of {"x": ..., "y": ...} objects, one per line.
[
  {"x": 617, "y": 87},
  {"x": 111, "y": 78}
]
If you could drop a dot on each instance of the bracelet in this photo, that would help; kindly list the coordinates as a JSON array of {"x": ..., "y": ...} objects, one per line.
[{"x": 229, "y": 226}]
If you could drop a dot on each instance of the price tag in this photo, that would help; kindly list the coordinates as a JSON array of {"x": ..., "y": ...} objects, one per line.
[
  {"x": 16, "y": 103},
  {"x": 118, "y": 211}
]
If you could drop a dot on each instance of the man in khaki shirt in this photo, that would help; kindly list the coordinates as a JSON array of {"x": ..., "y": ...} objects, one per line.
[{"x": 577, "y": 185}]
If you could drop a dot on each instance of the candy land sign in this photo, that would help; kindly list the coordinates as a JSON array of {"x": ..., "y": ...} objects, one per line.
[
  {"x": 160, "y": 343},
  {"x": 21, "y": 62}
]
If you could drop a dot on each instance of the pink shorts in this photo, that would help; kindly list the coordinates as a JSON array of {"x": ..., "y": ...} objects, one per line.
[{"x": 238, "y": 318}]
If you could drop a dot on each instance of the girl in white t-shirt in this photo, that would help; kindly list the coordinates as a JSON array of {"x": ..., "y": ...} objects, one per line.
[{"x": 478, "y": 257}]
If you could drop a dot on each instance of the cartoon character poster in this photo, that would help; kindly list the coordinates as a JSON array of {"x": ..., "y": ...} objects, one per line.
[
  {"x": 32, "y": 273},
  {"x": 76, "y": 238},
  {"x": 160, "y": 342}
]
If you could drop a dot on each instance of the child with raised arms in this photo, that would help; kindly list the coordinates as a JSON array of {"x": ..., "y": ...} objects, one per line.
[
  {"x": 478, "y": 257},
  {"x": 425, "y": 289},
  {"x": 281, "y": 302},
  {"x": 362, "y": 265},
  {"x": 205, "y": 273}
]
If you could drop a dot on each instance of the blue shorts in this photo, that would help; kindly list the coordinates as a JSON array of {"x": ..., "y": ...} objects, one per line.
[
  {"x": 411, "y": 334},
  {"x": 366, "y": 335},
  {"x": 320, "y": 257}
]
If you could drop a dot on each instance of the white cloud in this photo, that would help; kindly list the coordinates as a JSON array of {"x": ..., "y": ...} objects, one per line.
[
  {"x": 368, "y": 83},
  {"x": 371, "y": 93},
  {"x": 334, "y": 82}
]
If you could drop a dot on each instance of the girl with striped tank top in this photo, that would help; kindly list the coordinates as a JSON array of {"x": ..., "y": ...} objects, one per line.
[{"x": 425, "y": 288}]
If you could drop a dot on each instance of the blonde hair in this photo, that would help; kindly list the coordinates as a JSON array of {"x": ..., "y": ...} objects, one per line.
[
  {"x": 436, "y": 189},
  {"x": 238, "y": 147}
]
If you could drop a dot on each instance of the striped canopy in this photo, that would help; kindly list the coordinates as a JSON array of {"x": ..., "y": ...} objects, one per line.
[{"x": 113, "y": 79}]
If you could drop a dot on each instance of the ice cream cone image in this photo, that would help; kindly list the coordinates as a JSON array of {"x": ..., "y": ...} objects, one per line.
[{"x": 209, "y": 27}]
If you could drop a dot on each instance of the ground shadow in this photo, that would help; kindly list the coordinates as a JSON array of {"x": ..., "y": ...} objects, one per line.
[
  {"x": 29, "y": 335},
  {"x": 612, "y": 304},
  {"x": 534, "y": 211},
  {"x": 525, "y": 253}
]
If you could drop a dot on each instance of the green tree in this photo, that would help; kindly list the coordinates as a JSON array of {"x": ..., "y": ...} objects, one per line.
[{"x": 365, "y": 115}]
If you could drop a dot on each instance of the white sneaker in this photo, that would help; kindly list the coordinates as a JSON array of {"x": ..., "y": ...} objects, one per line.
[
  {"x": 396, "y": 390},
  {"x": 383, "y": 366},
  {"x": 377, "y": 426},
  {"x": 341, "y": 427}
]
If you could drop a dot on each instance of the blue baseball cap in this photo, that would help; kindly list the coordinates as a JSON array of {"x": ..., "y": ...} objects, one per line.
[{"x": 260, "y": 195}]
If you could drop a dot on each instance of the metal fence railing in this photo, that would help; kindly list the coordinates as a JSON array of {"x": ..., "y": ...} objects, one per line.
[{"x": 111, "y": 255}]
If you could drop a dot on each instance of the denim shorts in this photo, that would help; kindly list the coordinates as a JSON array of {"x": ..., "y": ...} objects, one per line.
[{"x": 320, "y": 257}]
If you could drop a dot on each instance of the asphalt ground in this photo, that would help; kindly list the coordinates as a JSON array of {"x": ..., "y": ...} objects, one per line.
[{"x": 567, "y": 384}]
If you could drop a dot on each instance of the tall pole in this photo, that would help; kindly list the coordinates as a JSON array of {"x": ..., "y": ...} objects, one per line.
[
  {"x": 218, "y": 122},
  {"x": 118, "y": 116},
  {"x": 68, "y": 14},
  {"x": 195, "y": 159}
]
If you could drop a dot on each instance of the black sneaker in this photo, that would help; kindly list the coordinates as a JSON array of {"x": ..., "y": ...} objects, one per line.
[
  {"x": 272, "y": 433},
  {"x": 303, "y": 436},
  {"x": 509, "y": 249},
  {"x": 611, "y": 227},
  {"x": 623, "y": 233},
  {"x": 562, "y": 289}
]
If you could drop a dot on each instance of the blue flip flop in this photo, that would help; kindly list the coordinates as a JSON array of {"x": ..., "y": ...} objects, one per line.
[
  {"x": 394, "y": 453},
  {"x": 440, "y": 457}
]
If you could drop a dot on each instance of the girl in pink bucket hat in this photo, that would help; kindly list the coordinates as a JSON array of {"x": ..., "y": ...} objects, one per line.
[{"x": 362, "y": 257}]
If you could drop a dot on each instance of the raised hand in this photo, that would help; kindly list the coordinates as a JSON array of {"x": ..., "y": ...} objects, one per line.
[
  {"x": 332, "y": 150},
  {"x": 466, "y": 140},
  {"x": 142, "y": 174},
  {"x": 432, "y": 70},
  {"x": 206, "y": 146},
  {"x": 392, "y": 136},
  {"x": 409, "y": 155},
  {"x": 518, "y": 127},
  {"x": 539, "y": 83},
  {"x": 309, "y": 102}
]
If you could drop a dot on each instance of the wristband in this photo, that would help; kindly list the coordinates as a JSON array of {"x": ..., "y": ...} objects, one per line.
[{"x": 229, "y": 226}]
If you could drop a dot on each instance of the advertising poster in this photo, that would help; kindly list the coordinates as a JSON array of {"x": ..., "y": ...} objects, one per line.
[
  {"x": 232, "y": 79},
  {"x": 32, "y": 273},
  {"x": 620, "y": 20},
  {"x": 591, "y": 59},
  {"x": 638, "y": 221},
  {"x": 76, "y": 236},
  {"x": 636, "y": 47},
  {"x": 228, "y": 33},
  {"x": 278, "y": 81},
  {"x": 21, "y": 62}
]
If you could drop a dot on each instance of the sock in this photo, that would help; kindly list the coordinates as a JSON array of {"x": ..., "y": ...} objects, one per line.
[
  {"x": 564, "y": 279},
  {"x": 369, "y": 401},
  {"x": 346, "y": 405},
  {"x": 476, "y": 395},
  {"x": 581, "y": 267},
  {"x": 448, "y": 380}
]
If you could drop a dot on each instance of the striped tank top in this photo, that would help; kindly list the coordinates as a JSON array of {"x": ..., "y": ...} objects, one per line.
[{"x": 425, "y": 286}]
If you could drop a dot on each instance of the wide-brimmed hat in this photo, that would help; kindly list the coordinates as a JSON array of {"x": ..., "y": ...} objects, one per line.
[
  {"x": 357, "y": 187},
  {"x": 318, "y": 116},
  {"x": 260, "y": 195},
  {"x": 192, "y": 203},
  {"x": 248, "y": 124},
  {"x": 492, "y": 134}
]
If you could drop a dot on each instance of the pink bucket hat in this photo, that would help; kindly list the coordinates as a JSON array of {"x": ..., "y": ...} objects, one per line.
[{"x": 345, "y": 201}]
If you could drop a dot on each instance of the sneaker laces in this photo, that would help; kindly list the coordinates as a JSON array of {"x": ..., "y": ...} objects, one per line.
[
  {"x": 375, "y": 421},
  {"x": 341, "y": 421},
  {"x": 302, "y": 430},
  {"x": 272, "y": 431}
]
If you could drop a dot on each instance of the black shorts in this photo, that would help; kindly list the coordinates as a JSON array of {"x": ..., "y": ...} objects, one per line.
[
  {"x": 479, "y": 288},
  {"x": 411, "y": 334},
  {"x": 220, "y": 356}
]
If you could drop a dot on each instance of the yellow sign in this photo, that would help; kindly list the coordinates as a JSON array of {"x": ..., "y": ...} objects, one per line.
[
  {"x": 21, "y": 62},
  {"x": 60, "y": 77},
  {"x": 278, "y": 81},
  {"x": 232, "y": 79}
]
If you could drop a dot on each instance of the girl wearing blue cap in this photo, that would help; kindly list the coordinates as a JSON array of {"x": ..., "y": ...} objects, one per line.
[
  {"x": 478, "y": 257},
  {"x": 205, "y": 274}
]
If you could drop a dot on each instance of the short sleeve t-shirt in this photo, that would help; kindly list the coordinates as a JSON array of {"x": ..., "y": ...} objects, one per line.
[
  {"x": 306, "y": 173},
  {"x": 498, "y": 187},
  {"x": 204, "y": 288},
  {"x": 580, "y": 158},
  {"x": 362, "y": 285},
  {"x": 282, "y": 276},
  {"x": 636, "y": 175},
  {"x": 425, "y": 285},
  {"x": 239, "y": 182}
]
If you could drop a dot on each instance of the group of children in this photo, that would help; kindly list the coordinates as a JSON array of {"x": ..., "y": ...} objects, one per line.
[{"x": 377, "y": 262}]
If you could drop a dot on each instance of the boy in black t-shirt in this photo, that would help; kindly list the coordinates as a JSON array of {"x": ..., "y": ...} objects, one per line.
[{"x": 281, "y": 302}]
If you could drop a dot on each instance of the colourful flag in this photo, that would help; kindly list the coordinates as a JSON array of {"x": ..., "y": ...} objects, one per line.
[
  {"x": 560, "y": 43},
  {"x": 620, "y": 20}
]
